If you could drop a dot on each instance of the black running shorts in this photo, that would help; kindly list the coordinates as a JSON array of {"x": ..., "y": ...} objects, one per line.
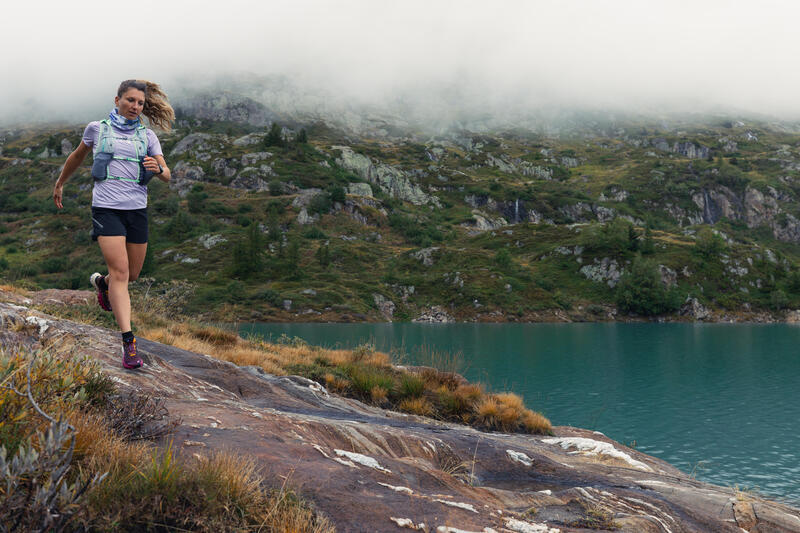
[{"x": 130, "y": 223}]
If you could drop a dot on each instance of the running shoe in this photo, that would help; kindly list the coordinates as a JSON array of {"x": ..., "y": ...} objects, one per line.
[
  {"x": 130, "y": 359},
  {"x": 98, "y": 282}
]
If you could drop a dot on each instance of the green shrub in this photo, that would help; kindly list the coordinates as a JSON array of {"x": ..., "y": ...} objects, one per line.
[
  {"x": 52, "y": 265},
  {"x": 411, "y": 386},
  {"x": 275, "y": 188},
  {"x": 641, "y": 291},
  {"x": 709, "y": 245},
  {"x": 364, "y": 379},
  {"x": 321, "y": 203},
  {"x": 314, "y": 233},
  {"x": 778, "y": 300}
]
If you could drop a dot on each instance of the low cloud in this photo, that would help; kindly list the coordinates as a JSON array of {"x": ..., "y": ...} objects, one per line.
[{"x": 63, "y": 62}]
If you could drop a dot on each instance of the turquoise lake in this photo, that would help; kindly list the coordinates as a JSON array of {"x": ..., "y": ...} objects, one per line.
[{"x": 719, "y": 401}]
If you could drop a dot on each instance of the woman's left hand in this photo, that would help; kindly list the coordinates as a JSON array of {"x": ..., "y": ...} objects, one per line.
[{"x": 151, "y": 164}]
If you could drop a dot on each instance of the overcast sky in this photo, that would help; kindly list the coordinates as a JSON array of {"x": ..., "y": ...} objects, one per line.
[{"x": 61, "y": 58}]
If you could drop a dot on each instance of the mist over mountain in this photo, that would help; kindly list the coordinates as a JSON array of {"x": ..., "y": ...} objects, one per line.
[{"x": 430, "y": 64}]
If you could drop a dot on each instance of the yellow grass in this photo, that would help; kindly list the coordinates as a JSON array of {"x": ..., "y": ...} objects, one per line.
[
  {"x": 416, "y": 406},
  {"x": 273, "y": 358}
]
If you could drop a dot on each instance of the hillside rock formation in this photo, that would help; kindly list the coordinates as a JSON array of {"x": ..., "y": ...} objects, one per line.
[{"x": 375, "y": 470}]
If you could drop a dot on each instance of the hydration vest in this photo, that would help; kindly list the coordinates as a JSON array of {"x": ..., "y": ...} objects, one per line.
[{"x": 105, "y": 150}]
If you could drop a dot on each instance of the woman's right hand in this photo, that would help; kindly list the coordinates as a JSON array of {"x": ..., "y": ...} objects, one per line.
[{"x": 58, "y": 191}]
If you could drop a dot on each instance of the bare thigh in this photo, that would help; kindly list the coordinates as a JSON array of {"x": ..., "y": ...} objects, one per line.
[{"x": 115, "y": 254}]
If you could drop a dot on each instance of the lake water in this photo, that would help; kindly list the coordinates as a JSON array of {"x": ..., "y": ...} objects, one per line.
[{"x": 716, "y": 400}]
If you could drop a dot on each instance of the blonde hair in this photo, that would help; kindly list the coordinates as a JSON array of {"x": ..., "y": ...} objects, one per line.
[{"x": 156, "y": 106}]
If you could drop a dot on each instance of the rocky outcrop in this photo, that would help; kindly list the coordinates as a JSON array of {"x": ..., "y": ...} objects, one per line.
[
  {"x": 691, "y": 150},
  {"x": 250, "y": 181},
  {"x": 193, "y": 141},
  {"x": 434, "y": 315},
  {"x": 226, "y": 107},
  {"x": 384, "y": 305},
  {"x": 374, "y": 470},
  {"x": 753, "y": 207},
  {"x": 359, "y": 189},
  {"x": 425, "y": 255},
  {"x": 391, "y": 180},
  {"x": 605, "y": 270},
  {"x": 184, "y": 176},
  {"x": 694, "y": 309}
]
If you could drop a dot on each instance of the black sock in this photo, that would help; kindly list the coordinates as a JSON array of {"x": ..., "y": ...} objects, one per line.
[
  {"x": 127, "y": 336},
  {"x": 102, "y": 283}
]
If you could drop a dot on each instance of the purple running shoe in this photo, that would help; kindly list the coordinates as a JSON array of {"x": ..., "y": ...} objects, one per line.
[
  {"x": 130, "y": 359},
  {"x": 98, "y": 282}
]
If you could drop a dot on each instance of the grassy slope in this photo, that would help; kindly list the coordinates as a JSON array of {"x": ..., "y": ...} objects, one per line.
[{"x": 43, "y": 248}]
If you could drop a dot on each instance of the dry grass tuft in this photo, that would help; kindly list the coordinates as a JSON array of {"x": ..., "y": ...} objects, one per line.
[
  {"x": 488, "y": 412},
  {"x": 379, "y": 395},
  {"x": 416, "y": 406}
]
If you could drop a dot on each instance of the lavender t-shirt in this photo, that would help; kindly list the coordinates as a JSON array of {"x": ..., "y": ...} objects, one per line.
[{"x": 118, "y": 194}]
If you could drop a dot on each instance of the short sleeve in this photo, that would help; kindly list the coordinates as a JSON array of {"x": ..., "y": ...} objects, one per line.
[
  {"x": 153, "y": 144},
  {"x": 90, "y": 133}
]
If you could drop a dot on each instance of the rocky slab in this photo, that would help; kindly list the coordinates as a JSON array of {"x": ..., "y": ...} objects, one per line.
[{"x": 369, "y": 469}]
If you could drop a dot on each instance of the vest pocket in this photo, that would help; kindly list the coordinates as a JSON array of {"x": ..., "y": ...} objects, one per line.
[{"x": 100, "y": 165}]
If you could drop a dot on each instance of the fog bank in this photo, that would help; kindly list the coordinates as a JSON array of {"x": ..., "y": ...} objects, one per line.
[{"x": 63, "y": 61}]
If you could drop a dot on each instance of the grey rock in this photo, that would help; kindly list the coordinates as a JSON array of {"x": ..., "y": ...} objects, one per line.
[
  {"x": 384, "y": 305},
  {"x": 250, "y": 182},
  {"x": 309, "y": 292},
  {"x": 391, "y": 180},
  {"x": 184, "y": 176},
  {"x": 693, "y": 308},
  {"x": 501, "y": 164},
  {"x": 668, "y": 276},
  {"x": 66, "y": 147},
  {"x": 483, "y": 222},
  {"x": 535, "y": 171},
  {"x": 615, "y": 195},
  {"x": 304, "y": 218},
  {"x": 359, "y": 189},
  {"x": 209, "y": 240},
  {"x": 434, "y": 315},
  {"x": 605, "y": 270},
  {"x": 691, "y": 150},
  {"x": 425, "y": 255},
  {"x": 193, "y": 141},
  {"x": 287, "y": 305},
  {"x": 249, "y": 139},
  {"x": 223, "y": 167},
  {"x": 661, "y": 144},
  {"x": 219, "y": 106},
  {"x": 304, "y": 197},
  {"x": 248, "y": 160}
]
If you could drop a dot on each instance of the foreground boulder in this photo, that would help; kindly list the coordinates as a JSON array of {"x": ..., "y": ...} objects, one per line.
[{"x": 373, "y": 470}]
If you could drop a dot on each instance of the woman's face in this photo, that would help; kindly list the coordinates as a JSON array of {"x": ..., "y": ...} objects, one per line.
[{"x": 130, "y": 104}]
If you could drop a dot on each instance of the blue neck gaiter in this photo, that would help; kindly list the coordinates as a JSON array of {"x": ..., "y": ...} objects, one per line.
[{"x": 122, "y": 123}]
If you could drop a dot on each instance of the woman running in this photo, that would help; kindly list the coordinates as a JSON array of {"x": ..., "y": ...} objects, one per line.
[{"x": 126, "y": 156}]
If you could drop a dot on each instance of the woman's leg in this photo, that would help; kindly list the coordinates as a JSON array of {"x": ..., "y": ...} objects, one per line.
[
  {"x": 115, "y": 254},
  {"x": 136, "y": 253}
]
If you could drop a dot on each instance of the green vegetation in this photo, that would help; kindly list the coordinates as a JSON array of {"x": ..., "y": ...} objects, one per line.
[{"x": 629, "y": 195}]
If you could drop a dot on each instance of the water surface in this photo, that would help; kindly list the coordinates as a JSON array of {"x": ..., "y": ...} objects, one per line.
[{"x": 716, "y": 400}]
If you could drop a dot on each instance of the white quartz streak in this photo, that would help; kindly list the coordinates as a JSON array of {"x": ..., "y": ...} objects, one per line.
[
  {"x": 362, "y": 460},
  {"x": 596, "y": 447}
]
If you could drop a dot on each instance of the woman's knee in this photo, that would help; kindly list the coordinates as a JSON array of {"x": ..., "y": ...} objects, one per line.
[
  {"x": 119, "y": 273},
  {"x": 133, "y": 276}
]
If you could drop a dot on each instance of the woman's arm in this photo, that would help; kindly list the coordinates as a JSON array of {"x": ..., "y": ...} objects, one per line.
[
  {"x": 152, "y": 163},
  {"x": 74, "y": 160}
]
